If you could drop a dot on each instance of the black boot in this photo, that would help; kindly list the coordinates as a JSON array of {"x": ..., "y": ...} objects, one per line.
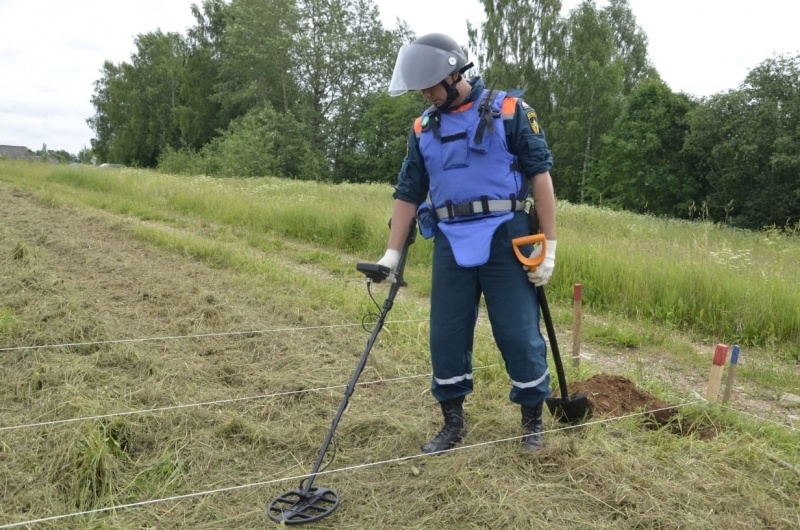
[
  {"x": 532, "y": 427},
  {"x": 453, "y": 430}
]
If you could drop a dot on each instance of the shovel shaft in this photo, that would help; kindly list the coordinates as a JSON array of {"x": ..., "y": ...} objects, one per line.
[{"x": 551, "y": 335}]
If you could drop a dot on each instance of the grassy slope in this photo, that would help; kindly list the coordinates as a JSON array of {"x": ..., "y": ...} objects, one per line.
[{"x": 89, "y": 274}]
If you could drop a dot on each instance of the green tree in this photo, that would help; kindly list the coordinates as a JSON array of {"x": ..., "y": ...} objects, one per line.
[
  {"x": 642, "y": 166},
  {"x": 109, "y": 112},
  {"x": 381, "y": 137},
  {"x": 260, "y": 143},
  {"x": 602, "y": 58},
  {"x": 136, "y": 102},
  {"x": 256, "y": 57},
  {"x": 748, "y": 142},
  {"x": 199, "y": 113},
  {"x": 342, "y": 54},
  {"x": 519, "y": 46}
]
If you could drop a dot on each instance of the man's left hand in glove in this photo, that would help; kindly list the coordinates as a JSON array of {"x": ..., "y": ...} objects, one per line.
[{"x": 544, "y": 271}]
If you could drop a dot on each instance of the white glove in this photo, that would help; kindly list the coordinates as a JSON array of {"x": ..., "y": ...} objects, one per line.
[
  {"x": 390, "y": 259},
  {"x": 544, "y": 271}
]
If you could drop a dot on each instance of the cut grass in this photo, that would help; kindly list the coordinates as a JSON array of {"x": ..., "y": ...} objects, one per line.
[{"x": 101, "y": 277}]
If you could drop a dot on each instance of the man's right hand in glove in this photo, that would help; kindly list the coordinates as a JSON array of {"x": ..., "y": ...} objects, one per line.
[{"x": 390, "y": 259}]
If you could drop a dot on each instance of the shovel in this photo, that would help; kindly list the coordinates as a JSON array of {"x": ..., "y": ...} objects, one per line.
[{"x": 566, "y": 409}]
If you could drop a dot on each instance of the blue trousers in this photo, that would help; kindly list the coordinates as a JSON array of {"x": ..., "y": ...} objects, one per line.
[{"x": 513, "y": 313}]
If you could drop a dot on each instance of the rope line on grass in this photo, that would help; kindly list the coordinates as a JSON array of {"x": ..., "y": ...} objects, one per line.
[
  {"x": 200, "y": 336},
  {"x": 324, "y": 472},
  {"x": 766, "y": 420},
  {"x": 218, "y": 402}
]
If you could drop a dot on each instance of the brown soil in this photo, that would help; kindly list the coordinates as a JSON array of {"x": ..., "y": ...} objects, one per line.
[{"x": 613, "y": 395}]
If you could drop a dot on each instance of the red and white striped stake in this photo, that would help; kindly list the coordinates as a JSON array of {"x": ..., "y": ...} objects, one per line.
[
  {"x": 577, "y": 296},
  {"x": 731, "y": 373},
  {"x": 717, "y": 367}
]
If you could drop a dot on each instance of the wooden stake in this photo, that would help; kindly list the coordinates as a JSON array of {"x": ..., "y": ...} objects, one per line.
[
  {"x": 717, "y": 367},
  {"x": 577, "y": 296},
  {"x": 726, "y": 396}
]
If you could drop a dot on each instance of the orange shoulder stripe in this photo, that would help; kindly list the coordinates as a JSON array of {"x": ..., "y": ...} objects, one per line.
[{"x": 509, "y": 106}]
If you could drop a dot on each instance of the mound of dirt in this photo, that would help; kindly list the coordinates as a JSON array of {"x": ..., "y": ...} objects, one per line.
[{"x": 613, "y": 395}]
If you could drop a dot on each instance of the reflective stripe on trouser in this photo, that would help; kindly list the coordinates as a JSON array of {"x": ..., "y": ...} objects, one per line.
[{"x": 513, "y": 313}]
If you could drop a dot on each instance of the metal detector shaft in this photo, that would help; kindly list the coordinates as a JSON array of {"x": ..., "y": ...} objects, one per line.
[{"x": 351, "y": 386}]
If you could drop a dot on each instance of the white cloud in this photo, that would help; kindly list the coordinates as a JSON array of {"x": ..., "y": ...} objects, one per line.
[{"x": 52, "y": 51}]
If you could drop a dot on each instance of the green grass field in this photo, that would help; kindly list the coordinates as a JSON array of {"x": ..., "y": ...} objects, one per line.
[{"x": 180, "y": 345}]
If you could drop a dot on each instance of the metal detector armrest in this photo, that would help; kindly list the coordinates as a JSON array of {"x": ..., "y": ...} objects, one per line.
[{"x": 373, "y": 271}]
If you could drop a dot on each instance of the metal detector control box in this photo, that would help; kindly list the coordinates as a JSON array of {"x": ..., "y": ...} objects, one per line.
[{"x": 373, "y": 271}]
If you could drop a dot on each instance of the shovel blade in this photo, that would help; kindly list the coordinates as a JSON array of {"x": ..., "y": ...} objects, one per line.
[{"x": 570, "y": 410}]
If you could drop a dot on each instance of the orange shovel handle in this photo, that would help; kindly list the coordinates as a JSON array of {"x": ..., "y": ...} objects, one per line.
[{"x": 532, "y": 263}]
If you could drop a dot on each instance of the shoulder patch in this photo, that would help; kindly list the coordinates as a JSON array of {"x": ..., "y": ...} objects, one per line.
[{"x": 533, "y": 121}]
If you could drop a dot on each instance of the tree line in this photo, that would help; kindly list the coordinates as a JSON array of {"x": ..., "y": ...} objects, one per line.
[{"x": 297, "y": 88}]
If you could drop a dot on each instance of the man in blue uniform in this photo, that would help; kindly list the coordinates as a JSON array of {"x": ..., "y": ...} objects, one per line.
[{"x": 478, "y": 154}]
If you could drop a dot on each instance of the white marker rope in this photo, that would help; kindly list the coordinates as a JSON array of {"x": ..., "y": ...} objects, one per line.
[
  {"x": 325, "y": 472},
  {"x": 201, "y": 336}
]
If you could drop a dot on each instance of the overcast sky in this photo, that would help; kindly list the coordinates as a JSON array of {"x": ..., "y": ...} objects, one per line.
[{"x": 51, "y": 51}]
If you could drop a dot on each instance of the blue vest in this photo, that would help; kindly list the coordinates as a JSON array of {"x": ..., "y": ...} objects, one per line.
[{"x": 467, "y": 172}]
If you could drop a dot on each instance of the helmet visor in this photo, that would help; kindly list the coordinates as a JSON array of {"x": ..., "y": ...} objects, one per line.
[{"x": 420, "y": 66}]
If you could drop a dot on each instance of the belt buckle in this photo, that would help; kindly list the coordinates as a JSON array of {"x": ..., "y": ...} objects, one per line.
[{"x": 463, "y": 209}]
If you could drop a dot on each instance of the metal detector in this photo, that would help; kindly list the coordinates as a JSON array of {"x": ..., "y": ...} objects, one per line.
[{"x": 311, "y": 503}]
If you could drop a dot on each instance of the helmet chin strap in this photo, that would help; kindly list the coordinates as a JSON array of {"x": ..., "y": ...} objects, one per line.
[
  {"x": 452, "y": 93},
  {"x": 452, "y": 89}
]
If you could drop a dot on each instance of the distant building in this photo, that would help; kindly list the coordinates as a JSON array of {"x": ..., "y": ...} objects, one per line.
[{"x": 13, "y": 151}]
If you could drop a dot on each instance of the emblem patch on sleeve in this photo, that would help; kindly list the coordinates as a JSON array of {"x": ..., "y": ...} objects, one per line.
[{"x": 533, "y": 121}]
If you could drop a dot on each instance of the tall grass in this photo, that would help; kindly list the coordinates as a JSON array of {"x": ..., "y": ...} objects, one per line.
[
  {"x": 727, "y": 284},
  {"x": 732, "y": 284}
]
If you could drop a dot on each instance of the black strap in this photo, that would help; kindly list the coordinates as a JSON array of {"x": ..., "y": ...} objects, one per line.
[
  {"x": 435, "y": 125},
  {"x": 485, "y": 204},
  {"x": 454, "y": 137},
  {"x": 485, "y": 115}
]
